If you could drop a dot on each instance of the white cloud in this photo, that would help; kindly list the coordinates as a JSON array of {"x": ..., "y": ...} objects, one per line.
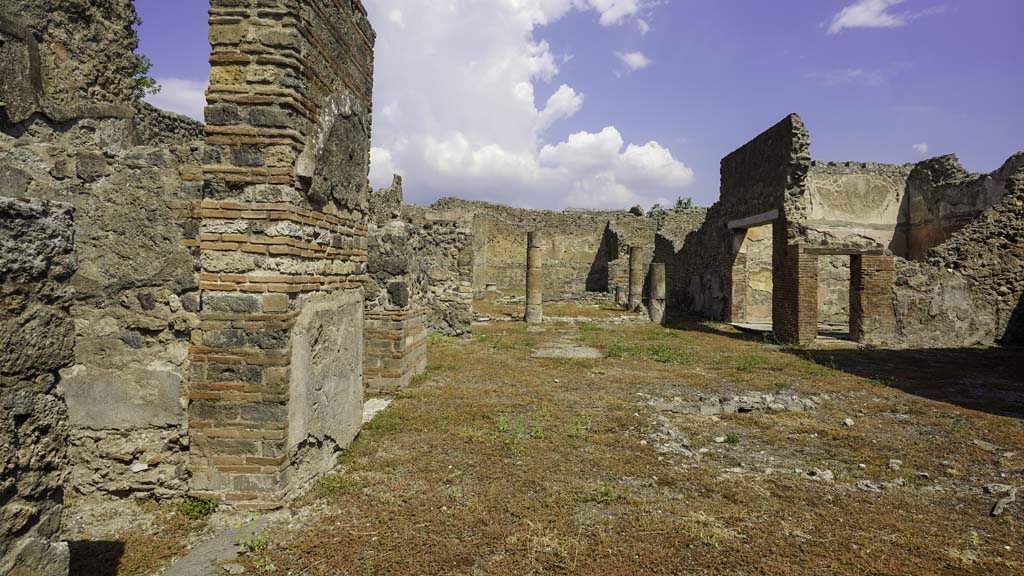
[
  {"x": 634, "y": 60},
  {"x": 187, "y": 97},
  {"x": 562, "y": 104},
  {"x": 867, "y": 14},
  {"x": 875, "y": 14},
  {"x": 457, "y": 110},
  {"x": 643, "y": 26},
  {"x": 921, "y": 148}
]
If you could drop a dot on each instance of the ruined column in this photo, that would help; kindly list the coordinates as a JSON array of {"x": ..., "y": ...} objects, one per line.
[
  {"x": 534, "y": 279},
  {"x": 636, "y": 278},
  {"x": 620, "y": 294},
  {"x": 656, "y": 304}
]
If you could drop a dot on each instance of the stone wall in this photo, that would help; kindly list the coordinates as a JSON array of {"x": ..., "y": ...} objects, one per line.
[
  {"x": 858, "y": 203},
  {"x": 943, "y": 197},
  {"x": 282, "y": 240},
  {"x": 969, "y": 289},
  {"x": 67, "y": 59},
  {"x": 572, "y": 244},
  {"x": 36, "y": 340},
  {"x": 442, "y": 248},
  {"x": 612, "y": 260},
  {"x": 72, "y": 131}
]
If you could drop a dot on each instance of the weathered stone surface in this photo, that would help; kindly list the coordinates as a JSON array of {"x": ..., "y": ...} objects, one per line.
[{"x": 36, "y": 339}]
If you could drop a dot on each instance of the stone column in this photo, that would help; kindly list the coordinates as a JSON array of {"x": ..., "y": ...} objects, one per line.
[
  {"x": 620, "y": 294},
  {"x": 656, "y": 304},
  {"x": 636, "y": 278},
  {"x": 534, "y": 279}
]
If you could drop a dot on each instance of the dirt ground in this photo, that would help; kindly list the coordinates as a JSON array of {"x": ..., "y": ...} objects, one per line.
[{"x": 803, "y": 462}]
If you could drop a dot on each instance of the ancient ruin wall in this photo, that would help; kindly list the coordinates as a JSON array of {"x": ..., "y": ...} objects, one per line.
[
  {"x": 442, "y": 248},
  {"x": 942, "y": 198},
  {"x": 276, "y": 389},
  {"x": 763, "y": 181},
  {"x": 572, "y": 240},
  {"x": 77, "y": 135},
  {"x": 969, "y": 289},
  {"x": 856, "y": 203},
  {"x": 36, "y": 340}
]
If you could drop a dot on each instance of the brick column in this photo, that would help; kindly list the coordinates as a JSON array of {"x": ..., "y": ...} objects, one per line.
[
  {"x": 794, "y": 292},
  {"x": 534, "y": 278},
  {"x": 277, "y": 359},
  {"x": 872, "y": 317},
  {"x": 656, "y": 304},
  {"x": 636, "y": 278}
]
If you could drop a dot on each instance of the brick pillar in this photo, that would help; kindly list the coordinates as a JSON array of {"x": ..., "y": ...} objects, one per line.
[
  {"x": 534, "y": 278},
  {"x": 872, "y": 317},
  {"x": 636, "y": 279},
  {"x": 277, "y": 359},
  {"x": 794, "y": 292},
  {"x": 656, "y": 304}
]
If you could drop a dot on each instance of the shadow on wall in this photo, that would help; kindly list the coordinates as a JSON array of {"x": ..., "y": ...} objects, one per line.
[
  {"x": 983, "y": 379},
  {"x": 95, "y": 558},
  {"x": 1015, "y": 329},
  {"x": 598, "y": 279}
]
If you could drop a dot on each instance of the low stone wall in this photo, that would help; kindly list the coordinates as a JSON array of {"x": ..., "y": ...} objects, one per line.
[
  {"x": 36, "y": 340},
  {"x": 396, "y": 349}
]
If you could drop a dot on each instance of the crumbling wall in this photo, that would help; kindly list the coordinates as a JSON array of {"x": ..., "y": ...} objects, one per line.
[
  {"x": 969, "y": 289},
  {"x": 622, "y": 234},
  {"x": 73, "y": 131},
  {"x": 943, "y": 197},
  {"x": 67, "y": 59},
  {"x": 282, "y": 229},
  {"x": 442, "y": 251},
  {"x": 36, "y": 340},
  {"x": 572, "y": 253},
  {"x": 762, "y": 182}
]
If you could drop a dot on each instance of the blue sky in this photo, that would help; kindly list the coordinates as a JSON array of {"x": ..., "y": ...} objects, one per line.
[{"x": 595, "y": 103}]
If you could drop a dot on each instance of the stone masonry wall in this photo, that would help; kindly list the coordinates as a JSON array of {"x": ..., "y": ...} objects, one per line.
[
  {"x": 943, "y": 197},
  {"x": 36, "y": 340},
  {"x": 442, "y": 249},
  {"x": 277, "y": 362},
  {"x": 573, "y": 240},
  {"x": 970, "y": 288},
  {"x": 71, "y": 131}
]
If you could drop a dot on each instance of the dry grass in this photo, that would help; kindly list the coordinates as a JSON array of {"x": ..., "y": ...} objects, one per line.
[{"x": 495, "y": 463}]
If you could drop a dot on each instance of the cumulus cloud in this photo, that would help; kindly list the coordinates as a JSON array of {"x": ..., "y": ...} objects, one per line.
[
  {"x": 921, "y": 148},
  {"x": 875, "y": 14},
  {"x": 187, "y": 97},
  {"x": 465, "y": 97},
  {"x": 634, "y": 60}
]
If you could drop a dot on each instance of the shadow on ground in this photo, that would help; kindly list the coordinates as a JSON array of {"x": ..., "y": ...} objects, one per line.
[
  {"x": 986, "y": 379},
  {"x": 95, "y": 558}
]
